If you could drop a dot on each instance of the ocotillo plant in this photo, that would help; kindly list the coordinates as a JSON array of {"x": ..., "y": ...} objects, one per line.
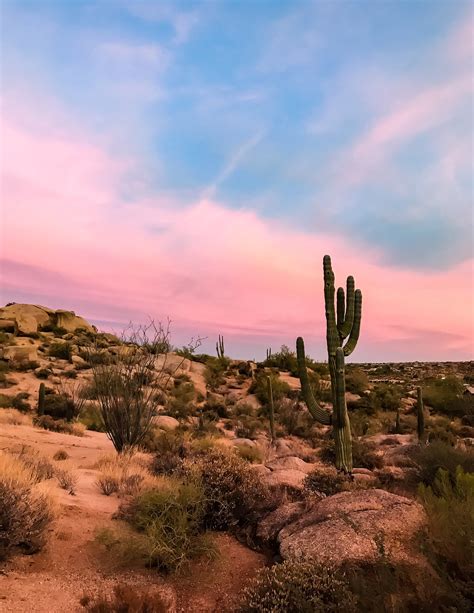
[
  {"x": 220, "y": 348},
  {"x": 41, "y": 396},
  {"x": 341, "y": 323},
  {"x": 272, "y": 409},
  {"x": 420, "y": 416}
]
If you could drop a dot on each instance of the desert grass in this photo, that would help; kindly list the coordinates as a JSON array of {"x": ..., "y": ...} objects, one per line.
[{"x": 13, "y": 417}]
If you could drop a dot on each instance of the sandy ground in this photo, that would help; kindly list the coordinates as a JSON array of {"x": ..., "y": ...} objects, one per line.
[{"x": 73, "y": 564}]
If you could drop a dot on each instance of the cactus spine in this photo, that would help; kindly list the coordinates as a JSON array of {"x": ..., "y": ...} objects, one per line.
[
  {"x": 220, "y": 348},
  {"x": 272, "y": 409},
  {"x": 420, "y": 416},
  {"x": 41, "y": 396},
  {"x": 342, "y": 322}
]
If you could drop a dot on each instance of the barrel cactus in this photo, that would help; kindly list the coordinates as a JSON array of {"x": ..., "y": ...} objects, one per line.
[{"x": 342, "y": 334}]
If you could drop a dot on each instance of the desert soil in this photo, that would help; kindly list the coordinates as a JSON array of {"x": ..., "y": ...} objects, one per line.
[{"x": 73, "y": 564}]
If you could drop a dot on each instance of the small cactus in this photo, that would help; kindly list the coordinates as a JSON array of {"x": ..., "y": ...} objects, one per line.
[
  {"x": 420, "y": 416},
  {"x": 220, "y": 348},
  {"x": 272, "y": 409},
  {"x": 41, "y": 398}
]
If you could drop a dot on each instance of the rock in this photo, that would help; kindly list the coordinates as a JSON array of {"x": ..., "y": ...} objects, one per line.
[
  {"x": 290, "y": 463},
  {"x": 78, "y": 361},
  {"x": 355, "y": 526},
  {"x": 271, "y": 525},
  {"x": 363, "y": 471},
  {"x": 166, "y": 422},
  {"x": 243, "y": 441},
  {"x": 214, "y": 398},
  {"x": 250, "y": 400},
  {"x": 286, "y": 478},
  {"x": 28, "y": 318},
  {"x": 7, "y": 324},
  {"x": 293, "y": 382},
  {"x": 172, "y": 364},
  {"x": 20, "y": 353},
  {"x": 71, "y": 322}
]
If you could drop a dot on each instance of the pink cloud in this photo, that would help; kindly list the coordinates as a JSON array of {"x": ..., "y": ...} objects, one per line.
[{"x": 68, "y": 237}]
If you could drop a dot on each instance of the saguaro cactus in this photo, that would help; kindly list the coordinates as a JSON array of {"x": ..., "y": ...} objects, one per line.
[
  {"x": 342, "y": 322},
  {"x": 272, "y": 409},
  {"x": 420, "y": 416},
  {"x": 269, "y": 353},
  {"x": 41, "y": 396},
  {"x": 220, "y": 348}
]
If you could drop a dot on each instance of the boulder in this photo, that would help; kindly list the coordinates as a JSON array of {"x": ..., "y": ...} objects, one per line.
[
  {"x": 250, "y": 400},
  {"x": 355, "y": 526},
  {"x": 286, "y": 478},
  {"x": 7, "y": 324},
  {"x": 243, "y": 441},
  {"x": 71, "y": 322},
  {"x": 20, "y": 353},
  {"x": 271, "y": 525},
  {"x": 166, "y": 422},
  {"x": 290, "y": 463},
  {"x": 28, "y": 318},
  {"x": 172, "y": 364},
  {"x": 78, "y": 361}
]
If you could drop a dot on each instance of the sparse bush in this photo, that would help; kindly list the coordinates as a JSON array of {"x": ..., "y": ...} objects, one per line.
[
  {"x": 364, "y": 454},
  {"x": 170, "y": 448},
  {"x": 325, "y": 481},
  {"x": 259, "y": 387},
  {"x": 13, "y": 417},
  {"x": 295, "y": 418},
  {"x": 70, "y": 374},
  {"x": 27, "y": 365},
  {"x": 233, "y": 491},
  {"x": 298, "y": 587},
  {"x": 40, "y": 467},
  {"x": 42, "y": 373},
  {"x": 386, "y": 397},
  {"x": 25, "y": 514},
  {"x": 58, "y": 331},
  {"x": 181, "y": 398},
  {"x": 449, "y": 504},
  {"x": 171, "y": 521},
  {"x": 60, "y": 406},
  {"x": 214, "y": 373},
  {"x": 59, "y": 425},
  {"x": 61, "y": 454},
  {"x": 67, "y": 480},
  {"x": 127, "y": 599},
  {"x": 357, "y": 381},
  {"x": 62, "y": 351},
  {"x": 19, "y": 402},
  {"x": 247, "y": 427},
  {"x": 445, "y": 396},
  {"x": 439, "y": 455},
  {"x": 249, "y": 453},
  {"x": 123, "y": 474},
  {"x": 91, "y": 418},
  {"x": 108, "y": 484}
]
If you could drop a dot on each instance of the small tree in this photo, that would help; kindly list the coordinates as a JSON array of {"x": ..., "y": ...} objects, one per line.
[{"x": 127, "y": 387}]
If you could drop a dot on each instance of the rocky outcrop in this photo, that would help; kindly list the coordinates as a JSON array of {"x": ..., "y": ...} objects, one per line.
[{"x": 30, "y": 318}]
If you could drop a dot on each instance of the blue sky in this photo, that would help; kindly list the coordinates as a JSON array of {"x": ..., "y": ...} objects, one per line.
[{"x": 344, "y": 118}]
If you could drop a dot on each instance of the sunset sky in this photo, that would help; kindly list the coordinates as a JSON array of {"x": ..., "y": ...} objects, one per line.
[{"x": 197, "y": 160}]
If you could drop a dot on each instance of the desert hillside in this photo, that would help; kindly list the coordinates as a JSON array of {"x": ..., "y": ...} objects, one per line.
[{"x": 231, "y": 475}]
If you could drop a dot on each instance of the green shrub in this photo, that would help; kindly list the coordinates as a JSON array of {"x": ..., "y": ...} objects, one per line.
[
  {"x": 449, "y": 504},
  {"x": 250, "y": 453},
  {"x": 170, "y": 448},
  {"x": 19, "y": 402},
  {"x": 171, "y": 521},
  {"x": 295, "y": 418},
  {"x": 364, "y": 454},
  {"x": 444, "y": 395},
  {"x": 233, "y": 491},
  {"x": 259, "y": 387},
  {"x": 431, "y": 458},
  {"x": 59, "y": 425},
  {"x": 214, "y": 373},
  {"x": 43, "y": 373},
  {"x": 62, "y": 351},
  {"x": 27, "y": 365},
  {"x": 181, "y": 397},
  {"x": 386, "y": 397},
  {"x": 298, "y": 587},
  {"x": 60, "y": 406},
  {"x": 357, "y": 381},
  {"x": 91, "y": 418},
  {"x": 58, "y": 331}
]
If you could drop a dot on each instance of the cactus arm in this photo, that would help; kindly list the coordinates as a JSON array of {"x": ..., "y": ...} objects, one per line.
[
  {"x": 345, "y": 327},
  {"x": 318, "y": 413},
  {"x": 342, "y": 426},
  {"x": 354, "y": 336},
  {"x": 341, "y": 307},
  {"x": 332, "y": 335}
]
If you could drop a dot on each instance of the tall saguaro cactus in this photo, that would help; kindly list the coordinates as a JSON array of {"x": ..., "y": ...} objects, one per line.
[
  {"x": 342, "y": 322},
  {"x": 420, "y": 416},
  {"x": 41, "y": 397},
  {"x": 220, "y": 348}
]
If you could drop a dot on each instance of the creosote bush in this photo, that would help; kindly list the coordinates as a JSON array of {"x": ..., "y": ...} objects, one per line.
[
  {"x": 430, "y": 458},
  {"x": 25, "y": 514},
  {"x": 234, "y": 494},
  {"x": 298, "y": 587},
  {"x": 326, "y": 481}
]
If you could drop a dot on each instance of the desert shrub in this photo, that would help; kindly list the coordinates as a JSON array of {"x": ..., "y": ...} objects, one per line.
[
  {"x": 325, "y": 481},
  {"x": 364, "y": 454},
  {"x": 42, "y": 373},
  {"x": 127, "y": 599},
  {"x": 180, "y": 401},
  {"x": 25, "y": 514},
  {"x": 58, "y": 331},
  {"x": 295, "y": 418},
  {"x": 430, "y": 458},
  {"x": 4, "y": 337},
  {"x": 170, "y": 448},
  {"x": 62, "y": 351},
  {"x": 61, "y": 454},
  {"x": 91, "y": 418},
  {"x": 19, "y": 402},
  {"x": 66, "y": 480},
  {"x": 247, "y": 427},
  {"x": 60, "y": 406},
  {"x": 444, "y": 394},
  {"x": 108, "y": 484},
  {"x": 298, "y": 587},
  {"x": 27, "y": 365},
  {"x": 40, "y": 467},
  {"x": 13, "y": 417},
  {"x": 125, "y": 474},
  {"x": 259, "y": 387},
  {"x": 441, "y": 428},
  {"x": 96, "y": 358},
  {"x": 59, "y": 425},
  {"x": 70, "y": 374},
  {"x": 449, "y": 504},
  {"x": 214, "y": 373},
  {"x": 171, "y": 520},
  {"x": 5, "y": 401},
  {"x": 250, "y": 453},
  {"x": 386, "y": 397},
  {"x": 233, "y": 491},
  {"x": 357, "y": 381}
]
